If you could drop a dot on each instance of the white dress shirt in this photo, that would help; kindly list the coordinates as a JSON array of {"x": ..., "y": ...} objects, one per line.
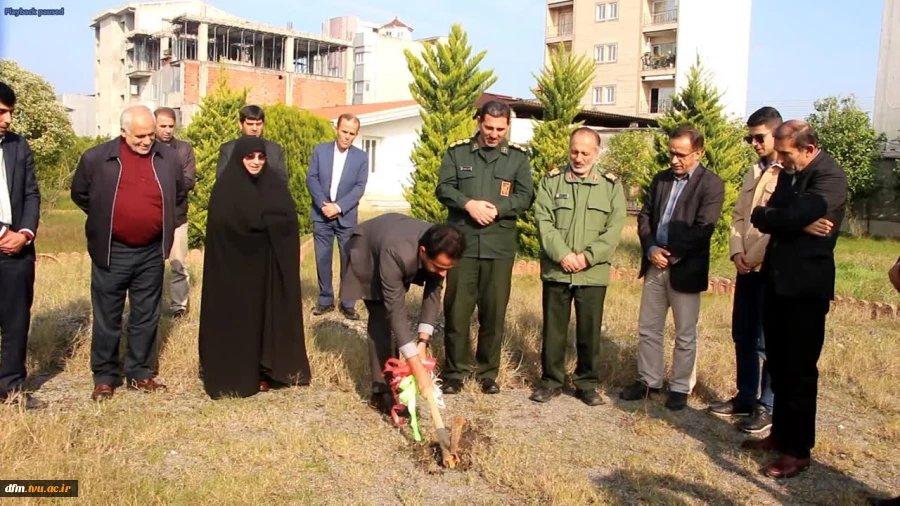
[
  {"x": 5, "y": 205},
  {"x": 337, "y": 170}
]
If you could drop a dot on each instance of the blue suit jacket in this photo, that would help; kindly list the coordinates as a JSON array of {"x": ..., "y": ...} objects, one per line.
[
  {"x": 22, "y": 186},
  {"x": 351, "y": 187}
]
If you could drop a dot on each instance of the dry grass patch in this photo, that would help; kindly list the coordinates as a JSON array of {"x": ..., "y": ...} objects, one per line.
[{"x": 323, "y": 445}]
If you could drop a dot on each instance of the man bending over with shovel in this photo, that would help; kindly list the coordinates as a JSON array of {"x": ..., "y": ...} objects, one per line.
[{"x": 385, "y": 255}]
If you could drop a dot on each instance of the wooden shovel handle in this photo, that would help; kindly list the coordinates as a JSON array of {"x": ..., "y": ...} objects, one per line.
[{"x": 435, "y": 412}]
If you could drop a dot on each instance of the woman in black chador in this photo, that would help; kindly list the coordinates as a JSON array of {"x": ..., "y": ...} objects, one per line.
[{"x": 251, "y": 318}]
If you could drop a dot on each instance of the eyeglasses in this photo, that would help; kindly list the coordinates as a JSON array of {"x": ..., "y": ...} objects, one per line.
[
  {"x": 680, "y": 156},
  {"x": 759, "y": 138},
  {"x": 255, "y": 156}
]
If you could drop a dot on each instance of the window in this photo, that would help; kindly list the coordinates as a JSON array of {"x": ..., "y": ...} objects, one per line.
[
  {"x": 604, "y": 95},
  {"x": 607, "y": 11},
  {"x": 369, "y": 146},
  {"x": 154, "y": 91},
  {"x": 360, "y": 56},
  {"x": 358, "y": 87},
  {"x": 606, "y": 53}
]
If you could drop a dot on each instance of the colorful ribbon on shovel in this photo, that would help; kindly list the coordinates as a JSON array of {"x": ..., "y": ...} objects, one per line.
[{"x": 405, "y": 390}]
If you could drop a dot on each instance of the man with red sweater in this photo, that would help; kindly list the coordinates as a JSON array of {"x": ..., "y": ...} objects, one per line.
[{"x": 129, "y": 188}]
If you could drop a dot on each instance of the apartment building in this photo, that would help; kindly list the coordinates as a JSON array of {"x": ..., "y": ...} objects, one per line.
[
  {"x": 170, "y": 53},
  {"x": 643, "y": 49},
  {"x": 380, "y": 71}
]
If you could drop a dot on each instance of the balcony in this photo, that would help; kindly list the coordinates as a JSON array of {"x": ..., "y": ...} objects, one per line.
[
  {"x": 562, "y": 31},
  {"x": 140, "y": 69},
  {"x": 652, "y": 64},
  {"x": 657, "y": 106},
  {"x": 661, "y": 21}
]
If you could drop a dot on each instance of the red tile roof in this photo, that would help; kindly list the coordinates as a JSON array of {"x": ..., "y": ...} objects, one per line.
[
  {"x": 359, "y": 109},
  {"x": 396, "y": 23}
]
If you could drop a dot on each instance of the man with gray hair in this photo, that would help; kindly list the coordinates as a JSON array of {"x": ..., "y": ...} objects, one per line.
[
  {"x": 129, "y": 188},
  {"x": 580, "y": 212}
]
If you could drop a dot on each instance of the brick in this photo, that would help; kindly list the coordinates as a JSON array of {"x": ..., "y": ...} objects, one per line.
[{"x": 308, "y": 92}]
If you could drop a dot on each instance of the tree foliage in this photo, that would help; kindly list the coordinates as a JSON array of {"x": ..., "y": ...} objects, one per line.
[
  {"x": 215, "y": 124},
  {"x": 630, "y": 155},
  {"x": 561, "y": 86},
  {"x": 846, "y": 133},
  {"x": 298, "y": 132},
  {"x": 44, "y": 123},
  {"x": 446, "y": 83},
  {"x": 725, "y": 153}
]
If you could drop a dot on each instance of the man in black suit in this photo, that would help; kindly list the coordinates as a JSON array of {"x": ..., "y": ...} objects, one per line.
[
  {"x": 386, "y": 255},
  {"x": 20, "y": 211},
  {"x": 802, "y": 218},
  {"x": 252, "y": 121},
  {"x": 675, "y": 226}
]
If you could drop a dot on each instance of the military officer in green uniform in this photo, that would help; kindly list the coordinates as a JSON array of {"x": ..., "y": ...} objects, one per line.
[
  {"x": 579, "y": 212},
  {"x": 485, "y": 183}
]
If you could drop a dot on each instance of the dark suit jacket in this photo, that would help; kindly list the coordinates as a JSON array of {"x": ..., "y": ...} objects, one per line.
[
  {"x": 384, "y": 262},
  {"x": 798, "y": 264},
  {"x": 189, "y": 169},
  {"x": 274, "y": 157},
  {"x": 350, "y": 189},
  {"x": 22, "y": 185},
  {"x": 690, "y": 229}
]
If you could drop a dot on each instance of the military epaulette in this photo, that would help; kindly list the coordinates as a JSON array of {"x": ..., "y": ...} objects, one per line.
[
  {"x": 460, "y": 142},
  {"x": 554, "y": 172},
  {"x": 519, "y": 147},
  {"x": 612, "y": 177}
]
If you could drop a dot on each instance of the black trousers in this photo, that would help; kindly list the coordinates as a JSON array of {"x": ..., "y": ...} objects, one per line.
[
  {"x": 16, "y": 297},
  {"x": 137, "y": 273},
  {"x": 557, "y": 302},
  {"x": 382, "y": 345},
  {"x": 795, "y": 333}
]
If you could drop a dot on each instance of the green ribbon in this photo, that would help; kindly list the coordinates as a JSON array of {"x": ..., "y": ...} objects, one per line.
[{"x": 408, "y": 392}]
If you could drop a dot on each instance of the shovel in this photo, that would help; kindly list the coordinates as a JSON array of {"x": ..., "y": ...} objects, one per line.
[{"x": 448, "y": 456}]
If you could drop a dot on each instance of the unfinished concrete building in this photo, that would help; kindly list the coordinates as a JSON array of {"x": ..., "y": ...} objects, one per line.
[{"x": 171, "y": 54}]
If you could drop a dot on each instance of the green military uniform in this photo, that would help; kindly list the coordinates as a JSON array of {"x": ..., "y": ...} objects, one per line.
[
  {"x": 502, "y": 176},
  {"x": 576, "y": 215}
]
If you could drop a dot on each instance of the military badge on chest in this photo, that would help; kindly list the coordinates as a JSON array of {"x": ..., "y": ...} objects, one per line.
[{"x": 505, "y": 187}]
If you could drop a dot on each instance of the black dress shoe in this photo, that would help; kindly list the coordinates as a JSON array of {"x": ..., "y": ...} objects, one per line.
[
  {"x": 589, "y": 397},
  {"x": 544, "y": 394},
  {"x": 676, "y": 401},
  {"x": 179, "y": 314},
  {"x": 451, "y": 386},
  {"x": 637, "y": 391},
  {"x": 874, "y": 501},
  {"x": 319, "y": 310},
  {"x": 350, "y": 313},
  {"x": 382, "y": 402},
  {"x": 25, "y": 401},
  {"x": 490, "y": 386}
]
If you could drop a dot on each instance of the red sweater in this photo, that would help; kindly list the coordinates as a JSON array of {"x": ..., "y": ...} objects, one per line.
[{"x": 137, "y": 215}]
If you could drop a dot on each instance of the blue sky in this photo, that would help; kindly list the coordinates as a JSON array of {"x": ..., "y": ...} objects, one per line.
[{"x": 800, "y": 50}]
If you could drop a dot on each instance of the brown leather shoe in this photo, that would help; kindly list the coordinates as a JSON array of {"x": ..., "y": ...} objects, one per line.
[
  {"x": 264, "y": 386},
  {"x": 786, "y": 467},
  {"x": 766, "y": 444},
  {"x": 102, "y": 392},
  {"x": 146, "y": 385}
]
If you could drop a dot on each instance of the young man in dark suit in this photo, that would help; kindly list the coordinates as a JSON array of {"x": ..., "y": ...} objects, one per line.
[
  {"x": 675, "y": 226},
  {"x": 337, "y": 177},
  {"x": 802, "y": 218},
  {"x": 20, "y": 210},
  {"x": 386, "y": 255}
]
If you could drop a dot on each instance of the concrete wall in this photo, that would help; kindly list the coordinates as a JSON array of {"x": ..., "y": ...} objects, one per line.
[
  {"x": 719, "y": 32},
  {"x": 82, "y": 113},
  {"x": 887, "y": 84}
]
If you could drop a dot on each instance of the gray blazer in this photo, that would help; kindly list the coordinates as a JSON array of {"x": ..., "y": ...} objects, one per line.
[
  {"x": 383, "y": 261},
  {"x": 274, "y": 158}
]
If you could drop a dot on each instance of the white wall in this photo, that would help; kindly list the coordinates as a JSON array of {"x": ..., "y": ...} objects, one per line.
[
  {"x": 887, "y": 85},
  {"x": 521, "y": 130},
  {"x": 719, "y": 32},
  {"x": 396, "y": 140}
]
